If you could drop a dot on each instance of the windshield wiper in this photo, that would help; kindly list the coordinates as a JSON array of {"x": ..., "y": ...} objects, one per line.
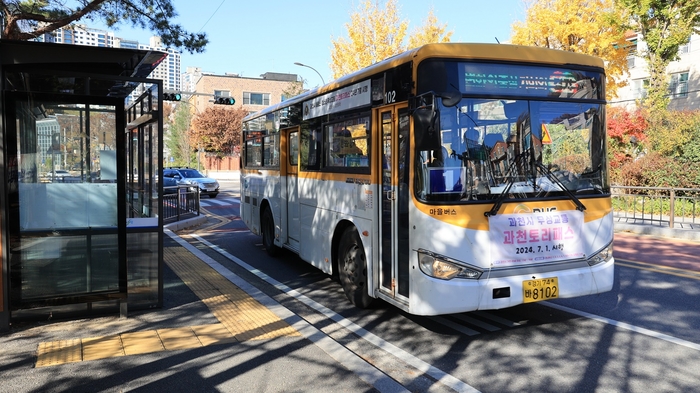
[
  {"x": 509, "y": 183},
  {"x": 554, "y": 179}
]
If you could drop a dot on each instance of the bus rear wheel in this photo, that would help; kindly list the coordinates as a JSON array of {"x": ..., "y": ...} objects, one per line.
[
  {"x": 352, "y": 268},
  {"x": 268, "y": 233}
]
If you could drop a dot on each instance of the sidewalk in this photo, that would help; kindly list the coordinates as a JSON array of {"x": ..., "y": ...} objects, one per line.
[
  {"x": 216, "y": 334},
  {"x": 210, "y": 335},
  {"x": 657, "y": 231},
  {"x": 239, "y": 316}
]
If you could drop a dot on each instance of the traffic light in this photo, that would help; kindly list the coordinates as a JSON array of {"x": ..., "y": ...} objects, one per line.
[
  {"x": 225, "y": 101},
  {"x": 172, "y": 96}
]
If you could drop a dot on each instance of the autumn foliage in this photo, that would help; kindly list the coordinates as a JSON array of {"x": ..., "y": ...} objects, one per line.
[
  {"x": 592, "y": 27},
  {"x": 626, "y": 126},
  {"x": 665, "y": 26},
  {"x": 375, "y": 34},
  {"x": 654, "y": 149},
  {"x": 218, "y": 129}
]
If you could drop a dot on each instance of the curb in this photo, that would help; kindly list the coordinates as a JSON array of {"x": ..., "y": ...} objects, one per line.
[
  {"x": 659, "y": 231},
  {"x": 190, "y": 222}
]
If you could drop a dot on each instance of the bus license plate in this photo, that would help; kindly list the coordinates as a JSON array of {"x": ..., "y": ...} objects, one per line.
[{"x": 540, "y": 289}]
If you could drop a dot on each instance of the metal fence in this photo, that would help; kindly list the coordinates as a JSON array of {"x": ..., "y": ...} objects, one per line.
[
  {"x": 662, "y": 206},
  {"x": 179, "y": 203}
]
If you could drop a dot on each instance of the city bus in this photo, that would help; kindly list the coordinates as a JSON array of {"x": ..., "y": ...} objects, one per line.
[{"x": 449, "y": 178}]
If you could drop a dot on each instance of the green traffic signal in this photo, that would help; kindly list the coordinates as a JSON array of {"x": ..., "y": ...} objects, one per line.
[
  {"x": 172, "y": 96},
  {"x": 225, "y": 101}
]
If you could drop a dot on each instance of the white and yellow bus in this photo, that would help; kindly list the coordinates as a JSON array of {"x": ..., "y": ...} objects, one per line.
[{"x": 452, "y": 177}]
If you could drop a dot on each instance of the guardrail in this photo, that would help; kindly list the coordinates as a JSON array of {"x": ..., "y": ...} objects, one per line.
[
  {"x": 179, "y": 203},
  {"x": 662, "y": 206}
]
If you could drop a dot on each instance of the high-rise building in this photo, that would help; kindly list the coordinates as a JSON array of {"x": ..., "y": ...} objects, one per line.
[
  {"x": 190, "y": 78},
  {"x": 81, "y": 35},
  {"x": 168, "y": 71},
  {"x": 48, "y": 141}
]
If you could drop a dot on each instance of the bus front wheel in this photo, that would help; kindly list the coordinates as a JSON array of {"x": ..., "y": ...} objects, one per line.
[
  {"x": 352, "y": 268},
  {"x": 268, "y": 233}
]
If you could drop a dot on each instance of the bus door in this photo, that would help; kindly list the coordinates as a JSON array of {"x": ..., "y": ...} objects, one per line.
[
  {"x": 393, "y": 221},
  {"x": 291, "y": 164}
]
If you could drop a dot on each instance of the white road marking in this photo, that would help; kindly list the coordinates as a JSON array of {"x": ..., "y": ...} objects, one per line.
[
  {"x": 454, "y": 325},
  {"x": 439, "y": 375},
  {"x": 219, "y": 202},
  {"x": 365, "y": 371},
  {"x": 476, "y": 322},
  {"x": 627, "y": 326}
]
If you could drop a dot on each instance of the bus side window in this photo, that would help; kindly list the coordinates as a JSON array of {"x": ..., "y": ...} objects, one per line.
[
  {"x": 347, "y": 143},
  {"x": 293, "y": 148},
  {"x": 313, "y": 160}
]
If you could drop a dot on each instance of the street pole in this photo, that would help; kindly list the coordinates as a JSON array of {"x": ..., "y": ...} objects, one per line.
[{"x": 308, "y": 66}]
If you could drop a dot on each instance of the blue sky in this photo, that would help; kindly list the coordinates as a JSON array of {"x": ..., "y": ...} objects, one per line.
[{"x": 250, "y": 38}]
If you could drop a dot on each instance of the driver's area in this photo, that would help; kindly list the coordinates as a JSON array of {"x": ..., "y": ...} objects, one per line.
[{"x": 476, "y": 149}]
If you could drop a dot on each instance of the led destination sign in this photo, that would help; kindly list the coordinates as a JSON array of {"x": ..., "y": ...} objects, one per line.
[{"x": 530, "y": 81}]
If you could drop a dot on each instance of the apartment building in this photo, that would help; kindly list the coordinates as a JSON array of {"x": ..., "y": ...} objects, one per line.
[
  {"x": 82, "y": 35},
  {"x": 168, "y": 71},
  {"x": 684, "y": 76},
  {"x": 190, "y": 78}
]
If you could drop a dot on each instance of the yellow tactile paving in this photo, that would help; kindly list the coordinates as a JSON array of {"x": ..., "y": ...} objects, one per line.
[
  {"x": 213, "y": 334},
  {"x": 241, "y": 318},
  {"x": 205, "y": 295},
  {"x": 102, "y": 347},
  {"x": 178, "y": 338},
  {"x": 199, "y": 286},
  {"x": 94, "y": 348},
  {"x": 59, "y": 352},
  {"x": 141, "y": 342},
  {"x": 242, "y": 315}
]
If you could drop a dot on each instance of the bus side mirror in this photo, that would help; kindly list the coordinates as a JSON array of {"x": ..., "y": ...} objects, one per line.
[
  {"x": 426, "y": 126},
  {"x": 426, "y": 121}
]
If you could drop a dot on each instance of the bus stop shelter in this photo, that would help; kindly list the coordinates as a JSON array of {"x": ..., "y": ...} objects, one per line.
[{"x": 80, "y": 213}]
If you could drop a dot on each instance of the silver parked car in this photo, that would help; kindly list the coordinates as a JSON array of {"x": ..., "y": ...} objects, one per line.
[{"x": 192, "y": 178}]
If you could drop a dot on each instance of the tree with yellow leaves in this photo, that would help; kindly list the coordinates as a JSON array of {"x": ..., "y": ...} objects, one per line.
[
  {"x": 375, "y": 34},
  {"x": 593, "y": 27},
  {"x": 429, "y": 33}
]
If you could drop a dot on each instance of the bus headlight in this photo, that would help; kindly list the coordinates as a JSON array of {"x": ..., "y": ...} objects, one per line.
[
  {"x": 442, "y": 268},
  {"x": 603, "y": 255}
]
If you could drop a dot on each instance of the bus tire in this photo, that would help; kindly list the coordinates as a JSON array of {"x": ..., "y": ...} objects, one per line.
[
  {"x": 352, "y": 268},
  {"x": 267, "y": 226}
]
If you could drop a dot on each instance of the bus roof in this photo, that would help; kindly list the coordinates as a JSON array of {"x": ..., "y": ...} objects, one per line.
[{"x": 459, "y": 51}]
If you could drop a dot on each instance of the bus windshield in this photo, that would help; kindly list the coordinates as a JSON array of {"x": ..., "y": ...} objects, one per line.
[{"x": 523, "y": 148}]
